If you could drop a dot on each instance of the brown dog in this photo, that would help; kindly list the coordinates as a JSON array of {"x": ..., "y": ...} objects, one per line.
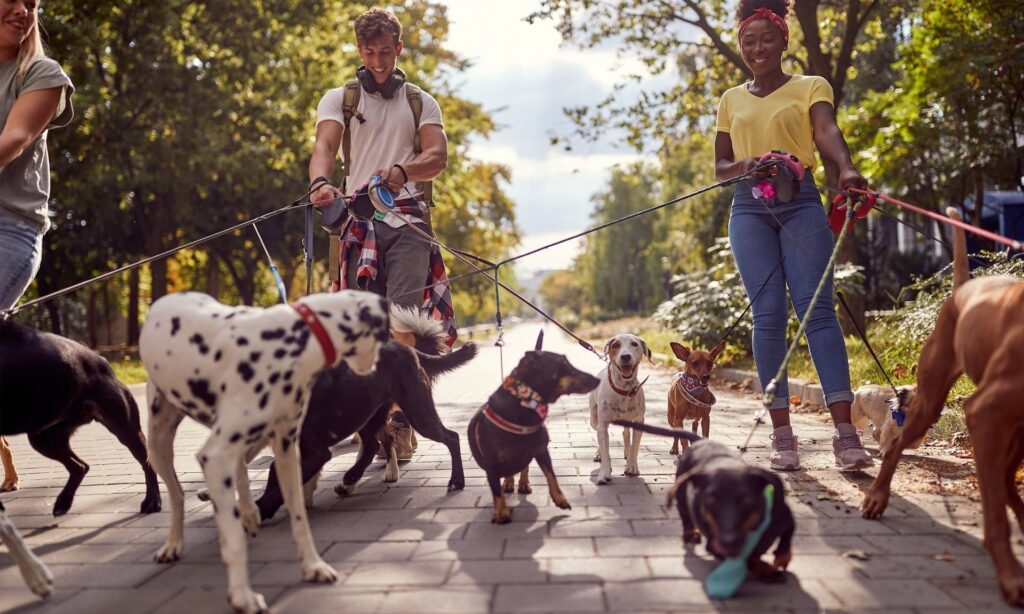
[
  {"x": 980, "y": 332},
  {"x": 689, "y": 397},
  {"x": 11, "y": 479}
]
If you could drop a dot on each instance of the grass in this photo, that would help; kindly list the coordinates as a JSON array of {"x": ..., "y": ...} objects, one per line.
[{"x": 128, "y": 370}]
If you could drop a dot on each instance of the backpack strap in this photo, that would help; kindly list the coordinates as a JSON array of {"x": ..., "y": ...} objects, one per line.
[
  {"x": 349, "y": 108},
  {"x": 413, "y": 95}
]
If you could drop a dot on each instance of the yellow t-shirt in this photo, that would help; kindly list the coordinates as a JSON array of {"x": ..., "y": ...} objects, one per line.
[{"x": 780, "y": 120}]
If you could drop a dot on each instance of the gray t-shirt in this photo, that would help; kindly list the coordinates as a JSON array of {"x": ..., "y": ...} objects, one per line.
[{"x": 25, "y": 181}]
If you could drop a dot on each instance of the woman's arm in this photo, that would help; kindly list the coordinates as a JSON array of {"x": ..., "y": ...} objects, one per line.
[
  {"x": 829, "y": 139},
  {"x": 725, "y": 167},
  {"x": 29, "y": 116}
]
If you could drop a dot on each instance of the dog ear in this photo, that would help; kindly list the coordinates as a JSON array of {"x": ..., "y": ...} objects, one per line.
[
  {"x": 608, "y": 346},
  {"x": 695, "y": 476},
  {"x": 715, "y": 351},
  {"x": 540, "y": 340},
  {"x": 681, "y": 351},
  {"x": 647, "y": 350}
]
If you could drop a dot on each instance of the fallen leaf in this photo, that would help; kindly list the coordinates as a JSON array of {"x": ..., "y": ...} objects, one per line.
[
  {"x": 860, "y": 555},
  {"x": 945, "y": 556},
  {"x": 794, "y": 400}
]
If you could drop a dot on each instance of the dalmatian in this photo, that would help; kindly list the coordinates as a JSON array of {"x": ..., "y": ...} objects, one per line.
[
  {"x": 619, "y": 396},
  {"x": 246, "y": 373}
]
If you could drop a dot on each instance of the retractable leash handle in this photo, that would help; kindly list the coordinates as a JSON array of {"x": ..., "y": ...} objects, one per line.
[{"x": 864, "y": 202}]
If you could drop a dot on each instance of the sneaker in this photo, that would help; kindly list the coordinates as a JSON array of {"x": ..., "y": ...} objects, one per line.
[
  {"x": 850, "y": 453},
  {"x": 784, "y": 455}
]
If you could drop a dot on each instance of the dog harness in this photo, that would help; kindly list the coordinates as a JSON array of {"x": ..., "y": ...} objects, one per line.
[
  {"x": 692, "y": 388},
  {"x": 625, "y": 393},
  {"x": 313, "y": 322},
  {"x": 527, "y": 397}
]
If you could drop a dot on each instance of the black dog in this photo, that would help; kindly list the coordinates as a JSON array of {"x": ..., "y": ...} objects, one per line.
[
  {"x": 508, "y": 432},
  {"x": 50, "y": 386},
  {"x": 343, "y": 403},
  {"x": 721, "y": 497}
]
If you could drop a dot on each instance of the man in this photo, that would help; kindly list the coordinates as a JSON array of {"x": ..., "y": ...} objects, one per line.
[{"x": 382, "y": 141}]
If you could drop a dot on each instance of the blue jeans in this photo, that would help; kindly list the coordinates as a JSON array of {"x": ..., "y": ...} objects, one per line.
[
  {"x": 21, "y": 251},
  {"x": 798, "y": 234}
]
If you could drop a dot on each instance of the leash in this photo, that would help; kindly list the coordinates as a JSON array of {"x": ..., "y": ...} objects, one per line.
[
  {"x": 864, "y": 338},
  {"x": 281, "y": 291}
]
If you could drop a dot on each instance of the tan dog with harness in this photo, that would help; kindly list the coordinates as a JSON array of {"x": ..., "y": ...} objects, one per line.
[
  {"x": 980, "y": 332},
  {"x": 689, "y": 397}
]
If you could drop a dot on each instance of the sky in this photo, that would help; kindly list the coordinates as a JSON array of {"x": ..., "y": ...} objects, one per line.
[{"x": 523, "y": 76}]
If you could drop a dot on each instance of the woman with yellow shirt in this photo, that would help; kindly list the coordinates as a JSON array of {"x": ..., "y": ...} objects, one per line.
[{"x": 792, "y": 113}]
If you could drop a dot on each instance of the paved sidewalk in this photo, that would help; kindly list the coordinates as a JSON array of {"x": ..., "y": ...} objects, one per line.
[{"x": 412, "y": 547}]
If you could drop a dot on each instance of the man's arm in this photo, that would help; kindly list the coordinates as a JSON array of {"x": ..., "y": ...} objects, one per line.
[
  {"x": 431, "y": 161},
  {"x": 321, "y": 163}
]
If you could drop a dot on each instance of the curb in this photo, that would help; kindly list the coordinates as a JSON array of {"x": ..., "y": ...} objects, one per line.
[{"x": 807, "y": 391}]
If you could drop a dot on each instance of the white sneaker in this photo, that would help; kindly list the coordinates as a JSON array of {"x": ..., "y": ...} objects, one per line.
[
  {"x": 784, "y": 455},
  {"x": 850, "y": 453}
]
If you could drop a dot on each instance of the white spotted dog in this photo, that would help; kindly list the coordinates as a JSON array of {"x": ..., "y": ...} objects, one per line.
[
  {"x": 619, "y": 396},
  {"x": 36, "y": 574},
  {"x": 246, "y": 373}
]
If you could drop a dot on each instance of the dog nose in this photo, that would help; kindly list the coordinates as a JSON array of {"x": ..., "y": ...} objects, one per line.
[
  {"x": 704, "y": 379},
  {"x": 625, "y": 358},
  {"x": 731, "y": 541}
]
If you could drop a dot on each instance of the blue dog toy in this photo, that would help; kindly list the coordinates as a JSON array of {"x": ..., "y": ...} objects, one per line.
[{"x": 725, "y": 580}]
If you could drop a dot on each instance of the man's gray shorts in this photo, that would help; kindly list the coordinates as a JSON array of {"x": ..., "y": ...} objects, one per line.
[{"x": 403, "y": 264}]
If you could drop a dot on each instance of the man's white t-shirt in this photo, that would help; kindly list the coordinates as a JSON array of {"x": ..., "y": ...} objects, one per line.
[{"x": 385, "y": 137}]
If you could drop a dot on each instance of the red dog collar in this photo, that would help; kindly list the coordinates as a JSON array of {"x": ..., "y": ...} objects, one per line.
[
  {"x": 505, "y": 425},
  {"x": 309, "y": 317},
  {"x": 625, "y": 393}
]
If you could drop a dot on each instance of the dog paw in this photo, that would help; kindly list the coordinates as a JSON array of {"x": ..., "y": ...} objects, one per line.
[
  {"x": 782, "y": 560},
  {"x": 390, "y": 473},
  {"x": 631, "y": 471},
  {"x": 875, "y": 502},
  {"x": 38, "y": 579},
  {"x": 524, "y": 489},
  {"x": 508, "y": 485},
  {"x": 766, "y": 573},
  {"x": 203, "y": 494},
  {"x": 501, "y": 516},
  {"x": 691, "y": 537},
  {"x": 9, "y": 486},
  {"x": 247, "y": 601},
  {"x": 169, "y": 552},
  {"x": 63, "y": 504},
  {"x": 151, "y": 505},
  {"x": 597, "y": 457},
  {"x": 320, "y": 572},
  {"x": 604, "y": 479},
  {"x": 563, "y": 503},
  {"x": 456, "y": 484},
  {"x": 251, "y": 520},
  {"x": 344, "y": 490}
]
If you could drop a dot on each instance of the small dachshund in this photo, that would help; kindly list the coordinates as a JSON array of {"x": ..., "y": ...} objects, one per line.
[
  {"x": 721, "y": 497},
  {"x": 689, "y": 397},
  {"x": 508, "y": 431}
]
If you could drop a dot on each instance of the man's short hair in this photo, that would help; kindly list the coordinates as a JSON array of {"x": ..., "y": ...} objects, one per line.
[{"x": 376, "y": 23}]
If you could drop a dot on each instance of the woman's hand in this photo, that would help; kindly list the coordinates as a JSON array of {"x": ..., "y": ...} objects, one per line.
[
  {"x": 749, "y": 164},
  {"x": 850, "y": 178}
]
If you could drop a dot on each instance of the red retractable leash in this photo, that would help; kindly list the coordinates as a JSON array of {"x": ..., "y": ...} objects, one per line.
[{"x": 864, "y": 202}]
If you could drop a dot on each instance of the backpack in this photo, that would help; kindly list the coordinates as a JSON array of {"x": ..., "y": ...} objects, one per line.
[{"x": 349, "y": 108}]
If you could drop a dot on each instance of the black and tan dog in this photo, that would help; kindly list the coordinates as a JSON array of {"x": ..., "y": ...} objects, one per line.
[
  {"x": 721, "y": 497},
  {"x": 508, "y": 431},
  {"x": 343, "y": 403},
  {"x": 51, "y": 386}
]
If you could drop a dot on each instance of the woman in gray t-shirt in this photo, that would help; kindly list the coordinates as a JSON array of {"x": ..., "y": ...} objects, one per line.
[{"x": 35, "y": 95}]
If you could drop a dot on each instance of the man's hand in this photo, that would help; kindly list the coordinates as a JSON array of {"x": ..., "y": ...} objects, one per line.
[
  {"x": 324, "y": 195},
  {"x": 392, "y": 177}
]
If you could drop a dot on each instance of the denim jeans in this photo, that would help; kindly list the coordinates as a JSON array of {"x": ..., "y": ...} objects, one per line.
[
  {"x": 798, "y": 234},
  {"x": 21, "y": 251}
]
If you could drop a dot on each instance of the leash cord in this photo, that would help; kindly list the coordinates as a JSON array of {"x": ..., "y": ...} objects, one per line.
[
  {"x": 864, "y": 338},
  {"x": 281, "y": 290}
]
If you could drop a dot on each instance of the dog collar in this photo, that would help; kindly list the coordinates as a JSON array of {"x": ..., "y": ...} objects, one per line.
[
  {"x": 692, "y": 388},
  {"x": 621, "y": 392},
  {"x": 313, "y": 322},
  {"x": 511, "y": 427},
  {"x": 527, "y": 397}
]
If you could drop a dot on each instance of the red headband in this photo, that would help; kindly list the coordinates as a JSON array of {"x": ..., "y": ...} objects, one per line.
[{"x": 763, "y": 13}]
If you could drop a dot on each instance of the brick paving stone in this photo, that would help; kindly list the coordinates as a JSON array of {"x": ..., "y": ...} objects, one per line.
[{"x": 413, "y": 546}]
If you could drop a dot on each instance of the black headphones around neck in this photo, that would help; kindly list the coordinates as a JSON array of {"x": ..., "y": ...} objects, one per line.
[{"x": 395, "y": 80}]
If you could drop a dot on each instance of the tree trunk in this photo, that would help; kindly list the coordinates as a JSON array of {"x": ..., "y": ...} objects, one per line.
[{"x": 133, "y": 307}]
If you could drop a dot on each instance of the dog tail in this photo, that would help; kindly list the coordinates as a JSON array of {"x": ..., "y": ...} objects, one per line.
[
  {"x": 961, "y": 272},
  {"x": 428, "y": 333},
  {"x": 657, "y": 430},
  {"x": 436, "y": 365}
]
